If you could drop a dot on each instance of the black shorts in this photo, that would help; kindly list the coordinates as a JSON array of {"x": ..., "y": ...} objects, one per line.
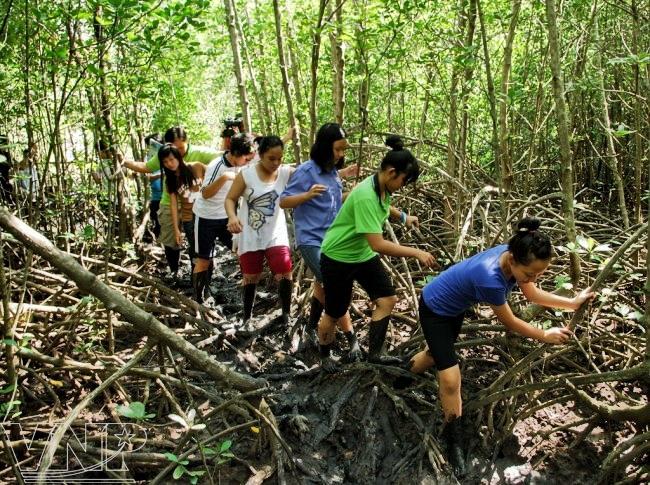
[
  {"x": 338, "y": 278},
  {"x": 440, "y": 334},
  {"x": 206, "y": 232}
]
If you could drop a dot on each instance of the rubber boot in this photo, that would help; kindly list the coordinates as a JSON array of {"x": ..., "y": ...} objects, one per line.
[
  {"x": 326, "y": 361},
  {"x": 354, "y": 354},
  {"x": 376, "y": 337},
  {"x": 310, "y": 337},
  {"x": 249, "y": 300},
  {"x": 199, "y": 282},
  {"x": 173, "y": 257},
  {"x": 284, "y": 292},
  {"x": 453, "y": 435}
]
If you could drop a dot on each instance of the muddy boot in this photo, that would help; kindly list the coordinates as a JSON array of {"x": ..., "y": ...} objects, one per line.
[
  {"x": 249, "y": 300},
  {"x": 199, "y": 282},
  {"x": 326, "y": 361},
  {"x": 310, "y": 335},
  {"x": 376, "y": 337},
  {"x": 453, "y": 435},
  {"x": 354, "y": 354},
  {"x": 173, "y": 257},
  {"x": 284, "y": 292}
]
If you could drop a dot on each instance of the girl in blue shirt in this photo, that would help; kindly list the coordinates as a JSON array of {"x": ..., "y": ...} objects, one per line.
[
  {"x": 487, "y": 277},
  {"x": 315, "y": 193}
]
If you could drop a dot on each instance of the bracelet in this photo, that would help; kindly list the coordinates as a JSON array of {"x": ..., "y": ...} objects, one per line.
[{"x": 403, "y": 217}]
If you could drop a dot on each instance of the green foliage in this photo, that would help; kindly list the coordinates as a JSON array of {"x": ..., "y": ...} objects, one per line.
[{"x": 134, "y": 410}]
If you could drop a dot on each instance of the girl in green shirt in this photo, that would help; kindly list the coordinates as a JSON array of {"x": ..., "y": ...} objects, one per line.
[{"x": 351, "y": 249}]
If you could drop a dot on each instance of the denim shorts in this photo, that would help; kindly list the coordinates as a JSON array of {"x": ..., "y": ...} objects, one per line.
[{"x": 311, "y": 255}]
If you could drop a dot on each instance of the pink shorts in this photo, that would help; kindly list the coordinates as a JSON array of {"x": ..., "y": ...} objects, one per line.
[{"x": 278, "y": 257}]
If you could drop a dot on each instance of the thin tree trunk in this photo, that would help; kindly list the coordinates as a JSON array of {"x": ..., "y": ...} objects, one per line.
[
  {"x": 504, "y": 150},
  {"x": 611, "y": 159},
  {"x": 236, "y": 57},
  {"x": 452, "y": 125},
  {"x": 262, "y": 111},
  {"x": 566, "y": 161},
  {"x": 338, "y": 64},
  {"x": 490, "y": 82},
  {"x": 286, "y": 82},
  {"x": 315, "y": 57}
]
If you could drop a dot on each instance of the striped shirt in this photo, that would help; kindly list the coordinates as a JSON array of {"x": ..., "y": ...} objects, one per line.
[{"x": 213, "y": 208}]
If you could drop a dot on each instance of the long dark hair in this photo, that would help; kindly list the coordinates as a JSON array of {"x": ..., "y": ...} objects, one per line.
[
  {"x": 174, "y": 182},
  {"x": 322, "y": 151},
  {"x": 401, "y": 159},
  {"x": 529, "y": 243}
]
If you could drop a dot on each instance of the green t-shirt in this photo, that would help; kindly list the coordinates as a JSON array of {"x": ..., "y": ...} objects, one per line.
[
  {"x": 194, "y": 154},
  {"x": 361, "y": 214}
]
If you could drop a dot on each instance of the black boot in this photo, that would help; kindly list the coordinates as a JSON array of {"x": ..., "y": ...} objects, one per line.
[
  {"x": 284, "y": 292},
  {"x": 453, "y": 435},
  {"x": 249, "y": 300},
  {"x": 173, "y": 257},
  {"x": 354, "y": 354},
  {"x": 310, "y": 337},
  {"x": 376, "y": 337},
  {"x": 199, "y": 283},
  {"x": 326, "y": 361}
]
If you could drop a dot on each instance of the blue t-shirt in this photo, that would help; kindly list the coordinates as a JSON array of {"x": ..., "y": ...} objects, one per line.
[
  {"x": 473, "y": 280},
  {"x": 156, "y": 187},
  {"x": 314, "y": 217}
]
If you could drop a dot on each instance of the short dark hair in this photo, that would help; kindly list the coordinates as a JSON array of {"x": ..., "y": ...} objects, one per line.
[
  {"x": 401, "y": 159},
  {"x": 322, "y": 151},
  {"x": 175, "y": 133},
  {"x": 267, "y": 142},
  {"x": 241, "y": 144},
  {"x": 529, "y": 243}
]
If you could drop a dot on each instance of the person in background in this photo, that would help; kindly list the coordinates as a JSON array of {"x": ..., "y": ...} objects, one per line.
[
  {"x": 210, "y": 218},
  {"x": 154, "y": 142},
  {"x": 6, "y": 188},
  {"x": 176, "y": 136}
]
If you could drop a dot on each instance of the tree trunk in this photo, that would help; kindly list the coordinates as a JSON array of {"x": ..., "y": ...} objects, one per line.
[
  {"x": 315, "y": 56},
  {"x": 451, "y": 216},
  {"x": 286, "y": 82},
  {"x": 504, "y": 151},
  {"x": 566, "y": 161},
  {"x": 113, "y": 300},
  {"x": 262, "y": 110},
  {"x": 611, "y": 159},
  {"x": 236, "y": 57},
  {"x": 338, "y": 64}
]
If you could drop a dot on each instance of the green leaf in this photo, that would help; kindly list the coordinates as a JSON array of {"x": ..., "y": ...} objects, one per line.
[
  {"x": 171, "y": 457},
  {"x": 225, "y": 446},
  {"x": 178, "y": 472},
  {"x": 10, "y": 341},
  {"x": 8, "y": 389},
  {"x": 135, "y": 410}
]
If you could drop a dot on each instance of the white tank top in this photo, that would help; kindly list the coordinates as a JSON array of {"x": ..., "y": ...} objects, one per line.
[{"x": 264, "y": 223}]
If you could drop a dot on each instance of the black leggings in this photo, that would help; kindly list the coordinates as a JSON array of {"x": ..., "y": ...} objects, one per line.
[{"x": 440, "y": 333}]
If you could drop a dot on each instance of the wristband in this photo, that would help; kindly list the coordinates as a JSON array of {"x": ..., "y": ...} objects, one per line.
[{"x": 402, "y": 217}]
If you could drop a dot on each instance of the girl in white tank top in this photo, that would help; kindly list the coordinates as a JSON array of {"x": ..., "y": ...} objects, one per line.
[{"x": 261, "y": 224}]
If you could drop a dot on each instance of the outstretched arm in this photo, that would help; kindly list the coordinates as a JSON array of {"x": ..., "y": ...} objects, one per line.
[
  {"x": 544, "y": 298},
  {"x": 139, "y": 167},
  {"x": 381, "y": 246},
  {"x": 555, "y": 335}
]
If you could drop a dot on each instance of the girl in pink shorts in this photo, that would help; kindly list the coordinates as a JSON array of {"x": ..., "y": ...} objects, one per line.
[{"x": 261, "y": 224}]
